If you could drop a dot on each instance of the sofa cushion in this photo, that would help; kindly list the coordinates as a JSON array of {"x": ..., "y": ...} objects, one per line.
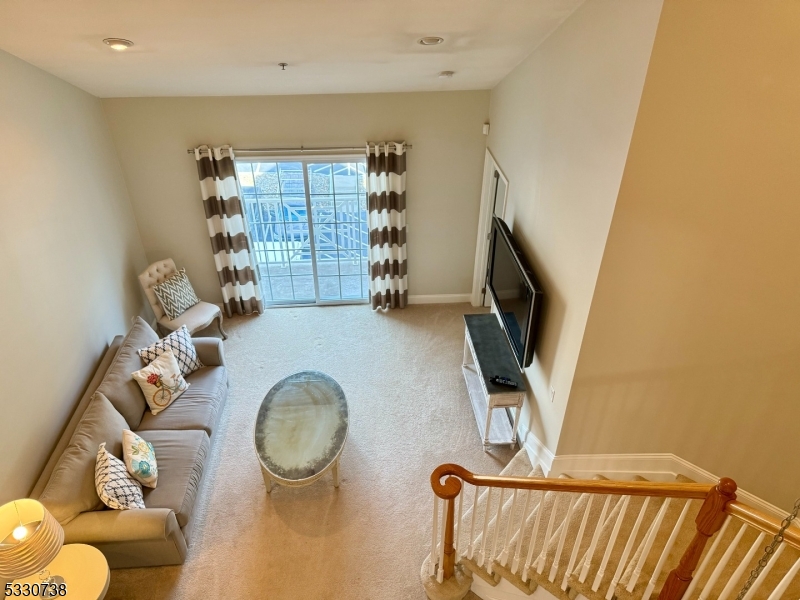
[
  {"x": 196, "y": 408},
  {"x": 181, "y": 458},
  {"x": 116, "y": 487},
  {"x": 71, "y": 488},
  {"x": 118, "y": 385}
]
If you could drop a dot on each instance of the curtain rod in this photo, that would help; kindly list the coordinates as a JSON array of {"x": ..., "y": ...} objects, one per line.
[{"x": 302, "y": 149}]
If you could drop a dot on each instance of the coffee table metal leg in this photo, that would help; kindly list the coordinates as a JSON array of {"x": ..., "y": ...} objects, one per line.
[
  {"x": 335, "y": 470},
  {"x": 267, "y": 480}
]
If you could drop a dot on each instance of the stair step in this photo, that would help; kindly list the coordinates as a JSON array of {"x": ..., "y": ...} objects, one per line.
[{"x": 476, "y": 569}]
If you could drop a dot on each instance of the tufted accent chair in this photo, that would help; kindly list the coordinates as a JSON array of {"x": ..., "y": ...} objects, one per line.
[{"x": 198, "y": 317}]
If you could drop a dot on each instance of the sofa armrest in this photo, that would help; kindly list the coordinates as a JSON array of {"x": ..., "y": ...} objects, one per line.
[
  {"x": 102, "y": 526},
  {"x": 146, "y": 537},
  {"x": 209, "y": 351}
]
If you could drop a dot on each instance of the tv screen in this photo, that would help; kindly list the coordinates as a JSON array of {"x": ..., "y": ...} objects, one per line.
[{"x": 516, "y": 293}]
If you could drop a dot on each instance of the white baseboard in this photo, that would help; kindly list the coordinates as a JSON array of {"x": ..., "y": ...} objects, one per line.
[
  {"x": 537, "y": 451},
  {"x": 655, "y": 467},
  {"x": 440, "y": 299}
]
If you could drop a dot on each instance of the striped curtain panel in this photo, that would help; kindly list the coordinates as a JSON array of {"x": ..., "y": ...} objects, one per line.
[
  {"x": 386, "y": 185},
  {"x": 236, "y": 267}
]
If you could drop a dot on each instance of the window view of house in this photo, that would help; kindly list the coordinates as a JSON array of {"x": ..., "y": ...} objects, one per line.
[{"x": 302, "y": 259}]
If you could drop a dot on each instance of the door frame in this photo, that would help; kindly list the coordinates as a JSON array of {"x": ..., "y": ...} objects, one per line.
[{"x": 487, "y": 209}]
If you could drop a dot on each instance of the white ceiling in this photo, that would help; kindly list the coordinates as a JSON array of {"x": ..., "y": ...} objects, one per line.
[{"x": 232, "y": 47}]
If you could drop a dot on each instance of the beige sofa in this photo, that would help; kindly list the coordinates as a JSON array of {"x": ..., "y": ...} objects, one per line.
[{"x": 181, "y": 436}]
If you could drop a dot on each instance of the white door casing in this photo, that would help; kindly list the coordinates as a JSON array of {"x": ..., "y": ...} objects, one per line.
[{"x": 494, "y": 193}]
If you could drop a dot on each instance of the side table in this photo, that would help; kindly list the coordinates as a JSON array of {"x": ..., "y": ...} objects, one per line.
[
  {"x": 487, "y": 353},
  {"x": 83, "y": 568}
]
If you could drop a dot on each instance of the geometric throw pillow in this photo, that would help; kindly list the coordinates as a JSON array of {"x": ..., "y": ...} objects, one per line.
[
  {"x": 176, "y": 294},
  {"x": 140, "y": 458},
  {"x": 180, "y": 342},
  {"x": 161, "y": 382},
  {"x": 116, "y": 488}
]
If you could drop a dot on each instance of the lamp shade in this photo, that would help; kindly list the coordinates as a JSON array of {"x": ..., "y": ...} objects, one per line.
[{"x": 30, "y": 538}]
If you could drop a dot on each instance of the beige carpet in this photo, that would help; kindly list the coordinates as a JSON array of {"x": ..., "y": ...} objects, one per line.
[{"x": 409, "y": 412}]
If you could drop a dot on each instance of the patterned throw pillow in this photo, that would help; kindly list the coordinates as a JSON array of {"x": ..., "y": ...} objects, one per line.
[
  {"x": 161, "y": 382},
  {"x": 116, "y": 488},
  {"x": 180, "y": 342},
  {"x": 176, "y": 294},
  {"x": 140, "y": 459}
]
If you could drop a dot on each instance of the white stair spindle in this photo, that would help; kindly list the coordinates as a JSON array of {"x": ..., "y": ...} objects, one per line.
[
  {"x": 648, "y": 545},
  {"x": 546, "y": 541},
  {"x": 651, "y": 585},
  {"x": 626, "y": 552},
  {"x": 458, "y": 520},
  {"x": 440, "y": 572},
  {"x": 737, "y": 574},
  {"x": 763, "y": 575},
  {"x": 587, "y": 563},
  {"x": 532, "y": 542},
  {"x": 706, "y": 560},
  {"x": 482, "y": 551},
  {"x": 471, "y": 545},
  {"x": 576, "y": 547},
  {"x": 784, "y": 584},
  {"x": 564, "y": 526},
  {"x": 503, "y": 558},
  {"x": 520, "y": 532},
  {"x": 610, "y": 546},
  {"x": 721, "y": 565},
  {"x": 497, "y": 518},
  {"x": 434, "y": 554}
]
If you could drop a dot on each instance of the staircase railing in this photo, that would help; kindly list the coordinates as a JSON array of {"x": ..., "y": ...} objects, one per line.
[{"x": 511, "y": 526}]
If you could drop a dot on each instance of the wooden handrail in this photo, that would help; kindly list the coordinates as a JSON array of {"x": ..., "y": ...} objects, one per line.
[
  {"x": 763, "y": 522},
  {"x": 452, "y": 486},
  {"x": 719, "y": 503}
]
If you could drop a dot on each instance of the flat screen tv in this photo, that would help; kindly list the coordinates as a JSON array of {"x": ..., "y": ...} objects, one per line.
[{"x": 515, "y": 290}]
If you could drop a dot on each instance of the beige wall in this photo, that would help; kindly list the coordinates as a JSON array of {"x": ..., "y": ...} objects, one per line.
[
  {"x": 70, "y": 254},
  {"x": 693, "y": 340},
  {"x": 443, "y": 182},
  {"x": 561, "y": 125}
]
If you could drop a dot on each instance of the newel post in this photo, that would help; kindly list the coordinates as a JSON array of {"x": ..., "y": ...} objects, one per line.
[
  {"x": 709, "y": 520},
  {"x": 448, "y": 492}
]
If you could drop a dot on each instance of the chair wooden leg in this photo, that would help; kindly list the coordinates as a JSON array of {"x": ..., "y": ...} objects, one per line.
[{"x": 221, "y": 330}]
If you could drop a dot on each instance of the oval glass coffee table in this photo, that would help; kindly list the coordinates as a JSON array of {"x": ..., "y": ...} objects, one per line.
[{"x": 300, "y": 430}]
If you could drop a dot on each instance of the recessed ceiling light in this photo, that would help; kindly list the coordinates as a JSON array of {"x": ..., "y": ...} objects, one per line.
[
  {"x": 430, "y": 41},
  {"x": 118, "y": 44},
  {"x": 446, "y": 74}
]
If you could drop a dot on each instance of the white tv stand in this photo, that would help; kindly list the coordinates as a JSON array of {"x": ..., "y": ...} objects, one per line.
[{"x": 487, "y": 353}]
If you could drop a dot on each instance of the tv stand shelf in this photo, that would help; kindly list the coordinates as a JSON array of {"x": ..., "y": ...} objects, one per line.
[{"x": 487, "y": 353}]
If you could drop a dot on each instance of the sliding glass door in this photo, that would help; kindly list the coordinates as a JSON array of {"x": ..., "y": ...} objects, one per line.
[{"x": 308, "y": 225}]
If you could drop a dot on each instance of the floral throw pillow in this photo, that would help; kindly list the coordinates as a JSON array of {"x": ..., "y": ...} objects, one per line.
[
  {"x": 140, "y": 459},
  {"x": 116, "y": 488},
  {"x": 161, "y": 382},
  {"x": 180, "y": 342},
  {"x": 176, "y": 294}
]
